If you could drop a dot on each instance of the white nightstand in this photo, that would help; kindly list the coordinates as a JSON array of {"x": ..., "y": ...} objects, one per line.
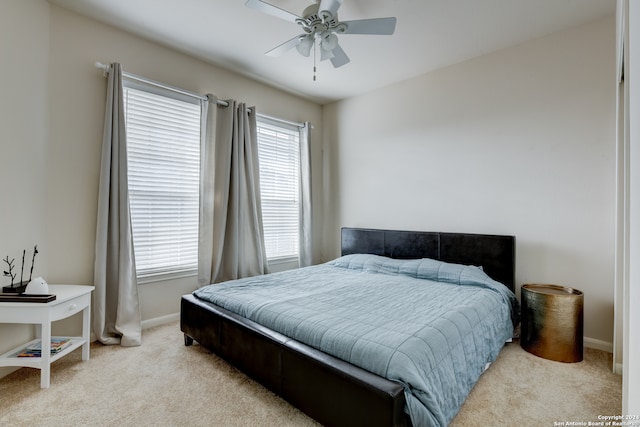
[{"x": 70, "y": 299}]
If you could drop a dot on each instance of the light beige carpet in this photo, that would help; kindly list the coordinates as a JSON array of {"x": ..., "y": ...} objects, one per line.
[
  {"x": 520, "y": 389},
  {"x": 164, "y": 383}
]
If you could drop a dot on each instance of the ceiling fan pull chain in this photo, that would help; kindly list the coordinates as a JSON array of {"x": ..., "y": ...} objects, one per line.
[{"x": 314, "y": 61}]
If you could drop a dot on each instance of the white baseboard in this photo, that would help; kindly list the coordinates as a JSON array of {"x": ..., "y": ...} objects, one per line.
[
  {"x": 163, "y": 320},
  {"x": 598, "y": 344},
  {"x": 588, "y": 342},
  {"x": 617, "y": 368},
  {"x": 7, "y": 370},
  {"x": 158, "y": 321},
  {"x": 603, "y": 346},
  {"x": 150, "y": 323}
]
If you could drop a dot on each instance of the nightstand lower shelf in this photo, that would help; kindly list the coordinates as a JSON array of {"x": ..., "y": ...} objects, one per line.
[{"x": 11, "y": 358}]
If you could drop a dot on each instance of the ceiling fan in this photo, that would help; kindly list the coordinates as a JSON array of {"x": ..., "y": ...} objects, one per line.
[{"x": 320, "y": 23}]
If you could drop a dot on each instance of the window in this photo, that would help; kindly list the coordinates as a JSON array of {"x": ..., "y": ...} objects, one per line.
[
  {"x": 163, "y": 144},
  {"x": 278, "y": 149}
]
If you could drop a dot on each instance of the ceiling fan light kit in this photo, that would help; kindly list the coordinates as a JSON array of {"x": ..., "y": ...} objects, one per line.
[
  {"x": 304, "y": 46},
  {"x": 329, "y": 41},
  {"x": 320, "y": 23}
]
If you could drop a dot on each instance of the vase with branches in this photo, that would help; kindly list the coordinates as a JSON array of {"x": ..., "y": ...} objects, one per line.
[
  {"x": 33, "y": 260},
  {"x": 9, "y": 272},
  {"x": 18, "y": 287}
]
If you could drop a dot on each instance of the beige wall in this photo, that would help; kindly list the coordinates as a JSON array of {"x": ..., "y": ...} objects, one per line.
[
  {"x": 520, "y": 141},
  {"x": 52, "y": 113},
  {"x": 77, "y": 114},
  {"x": 24, "y": 57}
]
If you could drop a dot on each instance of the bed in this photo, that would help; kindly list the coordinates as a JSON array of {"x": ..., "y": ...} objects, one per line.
[{"x": 368, "y": 382}]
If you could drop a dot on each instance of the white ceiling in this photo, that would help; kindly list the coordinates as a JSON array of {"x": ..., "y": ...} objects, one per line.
[{"x": 430, "y": 34}]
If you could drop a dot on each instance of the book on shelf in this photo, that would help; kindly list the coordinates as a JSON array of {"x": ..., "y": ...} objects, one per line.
[{"x": 35, "y": 350}]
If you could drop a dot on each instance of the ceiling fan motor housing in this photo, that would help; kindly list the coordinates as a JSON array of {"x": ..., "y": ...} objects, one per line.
[{"x": 318, "y": 22}]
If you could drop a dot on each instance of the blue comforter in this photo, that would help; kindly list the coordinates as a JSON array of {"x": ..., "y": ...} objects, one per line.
[{"x": 429, "y": 325}]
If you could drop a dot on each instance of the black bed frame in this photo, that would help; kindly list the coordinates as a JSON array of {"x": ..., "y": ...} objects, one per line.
[{"x": 332, "y": 391}]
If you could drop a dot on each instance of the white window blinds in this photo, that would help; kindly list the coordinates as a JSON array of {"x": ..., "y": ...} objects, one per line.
[
  {"x": 163, "y": 144},
  {"x": 278, "y": 148}
]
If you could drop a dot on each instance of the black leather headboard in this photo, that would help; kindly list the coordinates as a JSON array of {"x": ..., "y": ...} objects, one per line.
[{"x": 494, "y": 253}]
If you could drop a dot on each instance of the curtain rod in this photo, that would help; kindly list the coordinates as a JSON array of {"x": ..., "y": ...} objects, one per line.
[
  {"x": 106, "y": 67},
  {"x": 105, "y": 70}
]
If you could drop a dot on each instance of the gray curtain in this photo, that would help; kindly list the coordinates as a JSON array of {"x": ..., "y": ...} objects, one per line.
[
  {"x": 116, "y": 310},
  {"x": 231, "y": 237},
  {"x": 305, "y": 244}
]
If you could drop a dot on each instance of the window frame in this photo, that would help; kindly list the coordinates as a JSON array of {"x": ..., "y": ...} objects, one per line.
[
  {"x": 284, "y": 127},
  {"x": 132, "y": 83}
]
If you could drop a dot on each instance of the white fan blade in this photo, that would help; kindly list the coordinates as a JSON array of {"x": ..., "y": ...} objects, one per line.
[
  {"x": 339, "y": 57},
  {"x": 272, "y": 10},
  {"x": 326, "y": 54},
  {"x": 331, "y": 6},
  {"x": 381, "y": 26},
  {"x": 289, "y": 44}
]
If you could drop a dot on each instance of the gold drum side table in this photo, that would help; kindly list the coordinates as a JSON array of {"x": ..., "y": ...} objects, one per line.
[{"x": 552, "y": 322}]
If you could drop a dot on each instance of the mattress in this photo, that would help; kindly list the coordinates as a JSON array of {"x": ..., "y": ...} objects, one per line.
[{"x": 428, "y": 325}]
